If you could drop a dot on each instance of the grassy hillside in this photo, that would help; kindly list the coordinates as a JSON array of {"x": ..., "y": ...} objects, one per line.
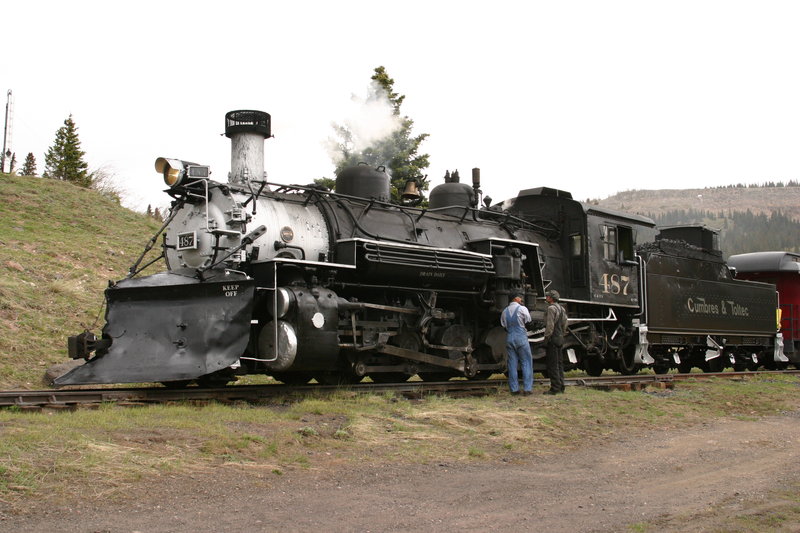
[
  {"x": 757, "y": 199},
  {"x": 59, "y": 246}
]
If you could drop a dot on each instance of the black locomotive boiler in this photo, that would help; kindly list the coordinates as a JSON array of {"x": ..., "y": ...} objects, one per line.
[{"x": 302, "y": 283}]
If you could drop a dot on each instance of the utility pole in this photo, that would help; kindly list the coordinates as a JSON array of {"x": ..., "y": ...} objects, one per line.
[{"x": 7, "y": 133}]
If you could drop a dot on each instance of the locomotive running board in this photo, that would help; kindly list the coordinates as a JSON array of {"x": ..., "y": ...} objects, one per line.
[
  {"x": 170, "y": 327},
  {"x": 423, "y": 357}
]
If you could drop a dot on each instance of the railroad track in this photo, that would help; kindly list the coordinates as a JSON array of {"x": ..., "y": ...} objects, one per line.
[{"x": 65, "y": 399}]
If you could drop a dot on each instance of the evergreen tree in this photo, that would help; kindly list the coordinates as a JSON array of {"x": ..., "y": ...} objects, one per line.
[
  {"x": 64, "y": 160},
  {"x": 398, "y": 152},
  {"x": 328, "y": 183},
  {"x": 29, "y": 166}
]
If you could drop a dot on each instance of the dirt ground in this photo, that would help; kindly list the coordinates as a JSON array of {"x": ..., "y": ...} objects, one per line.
[{"x": 686, "y": 480}]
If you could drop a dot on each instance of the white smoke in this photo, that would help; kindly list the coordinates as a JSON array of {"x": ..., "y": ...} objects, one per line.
[{"x": 366, "y": 121}]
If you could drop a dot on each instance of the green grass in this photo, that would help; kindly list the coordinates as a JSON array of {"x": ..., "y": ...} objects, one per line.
[
  {"x": 112, "y": 447},
  {"x": 59, "y": 246}
]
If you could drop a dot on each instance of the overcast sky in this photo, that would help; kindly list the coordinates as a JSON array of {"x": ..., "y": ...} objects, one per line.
[{"x": 594, "y": 97}]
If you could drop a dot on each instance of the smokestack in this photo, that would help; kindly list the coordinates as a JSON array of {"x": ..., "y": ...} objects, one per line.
[{"x": 247, "y": 131}]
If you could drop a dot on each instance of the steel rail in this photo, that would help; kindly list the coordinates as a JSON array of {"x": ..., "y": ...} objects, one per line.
[
  {"x": 248, "y": 393},
  {"x": 70, "y": 398}
]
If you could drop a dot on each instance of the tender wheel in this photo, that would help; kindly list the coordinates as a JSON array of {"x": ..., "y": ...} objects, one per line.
[
  {"x": 685, "y": 365},
  {"x": 715, "y": 365},
  {"x": 660, "y": 369},
  {"x": 593, "y": 366}
]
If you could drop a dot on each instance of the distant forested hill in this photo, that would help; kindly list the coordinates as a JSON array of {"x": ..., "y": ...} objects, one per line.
[{"x": 750, "y": 218}]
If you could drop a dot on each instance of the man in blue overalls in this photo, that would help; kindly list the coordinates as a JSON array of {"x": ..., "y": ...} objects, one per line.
[{"x": 514, "y": 318}]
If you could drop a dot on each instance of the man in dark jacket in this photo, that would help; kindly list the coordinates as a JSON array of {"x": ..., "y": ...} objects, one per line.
[{"x": 555, "y": 329}]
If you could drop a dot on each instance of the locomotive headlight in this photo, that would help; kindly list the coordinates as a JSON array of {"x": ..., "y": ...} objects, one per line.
[
  {"x": 176, "y": 172},
  {"x": 171, "y": 169}
]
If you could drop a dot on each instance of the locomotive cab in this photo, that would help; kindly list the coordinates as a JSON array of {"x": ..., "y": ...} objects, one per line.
[
  {"x": 589, "y": 256},
  {"x": 590, "y": 251},
  {"x": 614, "y": 272}
]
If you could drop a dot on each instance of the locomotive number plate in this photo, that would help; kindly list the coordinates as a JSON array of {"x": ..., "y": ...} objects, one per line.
[{"x": 187, "y": 241}]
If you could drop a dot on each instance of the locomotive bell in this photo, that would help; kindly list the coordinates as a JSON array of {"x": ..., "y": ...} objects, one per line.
[{"x": 411, "y": 192}]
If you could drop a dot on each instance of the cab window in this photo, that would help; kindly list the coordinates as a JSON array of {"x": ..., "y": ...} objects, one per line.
[
  {"x": 577, "y": 267},
  {"x": 618, "y": 243},
  {"x": 626, "y": 243},
  {"x": 608, "y": 235}
]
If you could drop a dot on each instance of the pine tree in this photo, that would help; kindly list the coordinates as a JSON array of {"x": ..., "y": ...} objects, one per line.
[
  {"x": 398, "y": 152},
  {"x": 64, "y": 160},
  {"x": 29, "y": 167}
]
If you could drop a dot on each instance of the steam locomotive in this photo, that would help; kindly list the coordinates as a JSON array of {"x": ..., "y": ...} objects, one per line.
[{"x": 302, "y": 283}]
